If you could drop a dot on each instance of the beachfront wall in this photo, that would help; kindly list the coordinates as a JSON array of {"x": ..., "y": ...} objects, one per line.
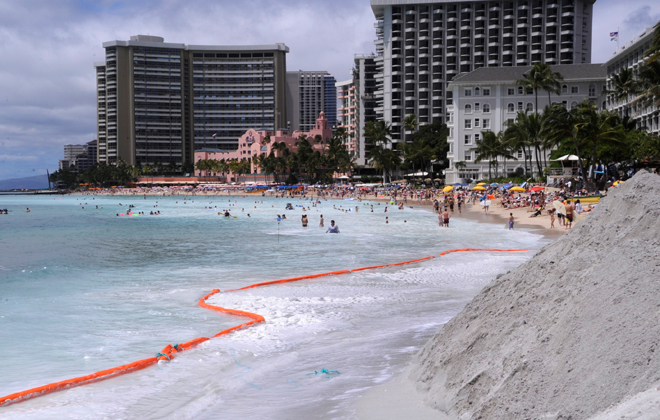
[
  {"x": 488, "y": 99},
  {"x": 253, "y": 143}
]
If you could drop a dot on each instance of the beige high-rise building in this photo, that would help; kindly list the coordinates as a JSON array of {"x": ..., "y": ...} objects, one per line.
[{"x": 158, "y": 102}]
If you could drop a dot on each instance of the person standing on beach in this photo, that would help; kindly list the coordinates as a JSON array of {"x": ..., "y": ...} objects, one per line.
[
  {"x": 510, "y": 221},
  {"x": 569, "y": 214},
  {"x": 552, "y": 218}
]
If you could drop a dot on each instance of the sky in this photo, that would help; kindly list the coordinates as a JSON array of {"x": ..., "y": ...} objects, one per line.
[{"x": 48, "y": 50}]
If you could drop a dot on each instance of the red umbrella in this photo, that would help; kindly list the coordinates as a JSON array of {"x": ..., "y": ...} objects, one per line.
[{"x": 537, "y": 189}]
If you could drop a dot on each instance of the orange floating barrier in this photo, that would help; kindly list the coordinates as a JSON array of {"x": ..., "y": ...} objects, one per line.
[{"x": 168, "y": 352}]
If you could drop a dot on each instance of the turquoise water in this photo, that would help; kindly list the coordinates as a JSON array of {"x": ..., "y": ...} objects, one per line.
[{"x": 83, "y": 290}]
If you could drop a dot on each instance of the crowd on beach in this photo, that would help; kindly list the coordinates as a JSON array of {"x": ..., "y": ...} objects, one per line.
[{"x": 538, "y": 200}]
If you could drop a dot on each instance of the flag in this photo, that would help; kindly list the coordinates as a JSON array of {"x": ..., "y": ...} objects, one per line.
[{"x": 614, "y": 36}]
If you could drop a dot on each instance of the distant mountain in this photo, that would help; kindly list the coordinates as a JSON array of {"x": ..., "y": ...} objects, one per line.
[{"x": 30, "y": 183}]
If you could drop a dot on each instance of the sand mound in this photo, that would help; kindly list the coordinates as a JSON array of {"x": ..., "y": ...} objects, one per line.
[{"x": 568, "y": 334}]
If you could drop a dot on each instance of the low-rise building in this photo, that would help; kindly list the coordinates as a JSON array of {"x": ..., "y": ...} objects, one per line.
[
  {"x": 487, "y": 99},
  {"x": 79, "y": 157},
  {"x": 255, "y": 142}
]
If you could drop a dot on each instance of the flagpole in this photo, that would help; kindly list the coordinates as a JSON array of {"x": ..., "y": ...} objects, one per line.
[{"x": 617, "y": 38}]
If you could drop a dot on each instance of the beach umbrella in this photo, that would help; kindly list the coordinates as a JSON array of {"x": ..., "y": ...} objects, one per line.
[
  {"x": 479, "y": 188},
  {"x": 507, "y": 185},
  {"x": 458, "y": 184},
  {"x": 447, "y": 188},
  {"x": 481, "y": 183},
  {"x": 518, "y": 189},
  {"x": 537, "y": 189},
  {"x": 494, "y": 184}
]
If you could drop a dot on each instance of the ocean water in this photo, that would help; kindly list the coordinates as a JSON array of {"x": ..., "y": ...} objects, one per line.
[{"x": 82, "y": 290}]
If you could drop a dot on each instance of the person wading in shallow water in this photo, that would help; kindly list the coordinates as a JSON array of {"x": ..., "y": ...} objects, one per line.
[
  {"x": 304, "y": 220},
  {"x": 333, "y": 228}
]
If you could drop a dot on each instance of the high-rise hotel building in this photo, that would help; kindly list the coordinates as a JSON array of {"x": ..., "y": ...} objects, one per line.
[
  {"x": 158, "y": 102},
  {"x": 308, "y": 94},
  {"x": 423, "y": 44}
]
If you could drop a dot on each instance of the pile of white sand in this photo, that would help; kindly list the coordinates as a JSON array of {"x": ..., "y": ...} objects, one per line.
[{"x": 573, "y": 333}]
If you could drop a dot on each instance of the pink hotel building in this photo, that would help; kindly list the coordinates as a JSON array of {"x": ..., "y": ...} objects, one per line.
[{"x": 251, "y": 144}]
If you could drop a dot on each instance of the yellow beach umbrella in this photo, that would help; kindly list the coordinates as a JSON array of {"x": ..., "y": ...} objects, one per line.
[
  {"x": 482, "y": 183},
  {"x": 447, "y": 188},
  {"x": 478, "y": 188},
  {"x": 517, "y": 189}
]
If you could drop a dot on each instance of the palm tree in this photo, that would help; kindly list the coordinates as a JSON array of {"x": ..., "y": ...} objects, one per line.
[
  {"x": 624, "y": 85},
  {"x": 524, "y": 134},
  {"x": 559, "y": 126},
  {"x": 409, "y": 124},
  {"x": 503, "y": 149},
  {"x": 649, "y": 82},
  {"x": 654, "y": 49},
  {"x": 598, "y": 128},
  {"x": 378, "y": 136},
  {"x": 486, "y": 149},
  {"x": 540, "y": 76}
]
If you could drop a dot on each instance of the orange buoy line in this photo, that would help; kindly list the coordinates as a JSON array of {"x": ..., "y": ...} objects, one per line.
[{"x": 169, "y": 351}]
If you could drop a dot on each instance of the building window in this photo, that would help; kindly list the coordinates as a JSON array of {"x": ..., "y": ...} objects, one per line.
[
  {"x": 511, "y": 108},
  {"x": 468, "y": 123},
  {"x": 477, "y": 91},
  {"x": 486, "y": 108},
  {"x": 468, "y": 155},
  {"x": 486, "y": 91},
  {"x": 564, "y": 104},
  {"x": 477, "y": 107},
  {"x": 521, "y": 90},
  {"x": 468, "y": 108},
  {"x": 573, "y": 104},
  {"x": 510, "y": 91},
  {"x": 486, "y": 123},
  {"x": 575, "y": 90},
  {"x": 530, "y": 107},
  {"x": 509, "y": 122},
  {"x": 468, "y": 92},
  {"x": 468, "y": 139},
  {"x": 520, "y": 154},
  {"x": 477, "y": 137},
  {"x": 477, "y": 123},
  {"x": 592, "y": 90},
  {"x": 520, "y": 106},
  {"x": 564, "y": 89}
]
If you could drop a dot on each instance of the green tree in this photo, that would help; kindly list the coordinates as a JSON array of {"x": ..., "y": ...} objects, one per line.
[{"x": 409, "y": 124}]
